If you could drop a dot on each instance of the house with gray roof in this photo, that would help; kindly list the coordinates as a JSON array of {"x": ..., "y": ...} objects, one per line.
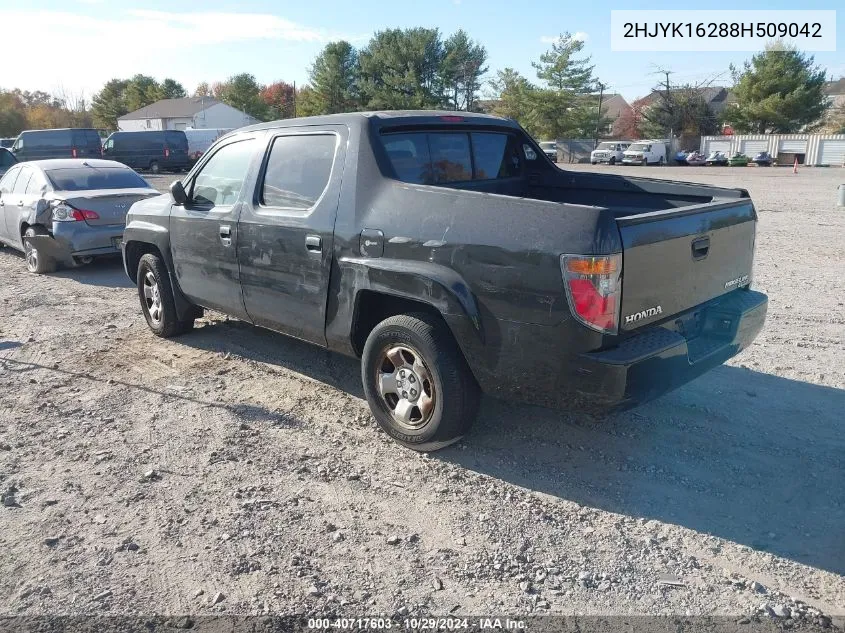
[{"x": 181, "y": 114}]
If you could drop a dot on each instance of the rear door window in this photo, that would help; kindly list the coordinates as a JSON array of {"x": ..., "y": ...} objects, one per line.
[
  {"x": 23, "y": 180},
  {"x": 298, "y": 170},
  {"x": 443, "y": 157},
  {"x": 89, "y": 178},
  {"x": 450, "y": 157}
]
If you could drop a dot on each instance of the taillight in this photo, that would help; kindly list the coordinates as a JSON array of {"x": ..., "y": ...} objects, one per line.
[
  {"x": 66, "y": 213},
  {"x": 73, "y": 152},
  {"x": 167, "y": 152},
  {"x": 593, "y": 289},
  {"x": 452, "y": 118}
]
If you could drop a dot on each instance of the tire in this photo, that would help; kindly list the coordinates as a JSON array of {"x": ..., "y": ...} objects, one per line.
[
  {"x": 592, "y": 162},
  {"x": 439, "y": 413},
  {"x": 36, "y": 262},
  {"x": 645, "y": 162},
  {"x": 157, "y": 300},
  {"x": 660, "y": 162},
  {"x": 155, "y": 167},
  {"x": 612, "y": 160}
]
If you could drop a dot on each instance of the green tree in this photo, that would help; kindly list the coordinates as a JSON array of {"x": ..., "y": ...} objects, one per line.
[
  {"x": 307, "y": 102},
  {"x": 244, "y": 93},
  {"x": 561, "y": 107},
  {"x": 334, "y": 79},
  {"x": 780, "y": 91},
  {"x": 171, "y": 89},
  {"x": 679, "y": 111},
  {"x": 513, "y": 97},
  {"x": 462, "y": 69},
  {"x": 400, "y": 69},
  {"x": 110, "y": 104},
  {"x": 141, "y": 90}
]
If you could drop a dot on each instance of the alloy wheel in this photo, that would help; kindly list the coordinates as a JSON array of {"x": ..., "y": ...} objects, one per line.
[{"x": 406, "y": 386}]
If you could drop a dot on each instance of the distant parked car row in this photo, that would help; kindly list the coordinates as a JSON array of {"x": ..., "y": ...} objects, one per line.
[{"x": 148, "y": 150}]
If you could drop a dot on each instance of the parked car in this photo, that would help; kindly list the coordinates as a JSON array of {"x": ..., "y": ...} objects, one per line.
[
  {"x": 738, "y": 160},
  {"x": 371, "y": 235},
  {"x": 58, "y": 143},
  {"x": 200, "y": 140},
  {"x": 7, "y": 142},
  {"x": 609, "y": 152},
  {"x": 716, "y": 158},
  {"x": 681, "y": 157},
  {"x": 645, "y": 153},
  {"x": 67, "y": 211},
  {"x": 153, "y": 150},
  {"x": 7, "y": 159},
  {"x": 696, "y": 159},
  {"x": 549, "y": 149},
  {"x": 763, "y": 159}
]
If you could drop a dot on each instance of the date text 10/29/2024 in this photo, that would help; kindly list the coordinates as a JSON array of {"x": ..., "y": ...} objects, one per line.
[{"x": 417, "y": 624}]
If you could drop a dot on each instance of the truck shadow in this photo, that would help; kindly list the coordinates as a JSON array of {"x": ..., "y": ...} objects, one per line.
[
  {"x": 742, "y": 455},
  {"x": 745, "y": 456}
]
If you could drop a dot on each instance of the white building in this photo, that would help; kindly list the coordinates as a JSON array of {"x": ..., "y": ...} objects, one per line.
[
  {"x": 810, "y": 149},
  {"x": 180, "y": 114}
]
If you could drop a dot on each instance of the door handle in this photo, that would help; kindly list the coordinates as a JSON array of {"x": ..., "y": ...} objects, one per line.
[
  {"x": 314, "y": 243},
  {"x": 700, "y": 247},
  {"x": 226, "y": 234}
]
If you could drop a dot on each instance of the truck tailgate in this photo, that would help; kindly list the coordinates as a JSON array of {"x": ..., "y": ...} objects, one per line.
[{"x": 677, "y": 259}]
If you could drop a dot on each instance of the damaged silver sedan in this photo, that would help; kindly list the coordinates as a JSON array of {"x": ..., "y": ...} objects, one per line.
[{"x": 67, "y": 211}]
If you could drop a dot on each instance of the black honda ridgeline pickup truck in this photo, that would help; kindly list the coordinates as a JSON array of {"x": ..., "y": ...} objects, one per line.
[{"x": 453, "y": 257}]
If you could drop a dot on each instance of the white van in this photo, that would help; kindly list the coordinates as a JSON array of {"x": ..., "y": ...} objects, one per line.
[
  {"x": 645, "y": 153},
  {"x": 609, "y": 152}
]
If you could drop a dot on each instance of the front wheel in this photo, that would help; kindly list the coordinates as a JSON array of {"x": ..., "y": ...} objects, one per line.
[
  {"x": 157, "y": 301},
  {"x": 155, "y": 167},
  {"x": 417, "y": 383},
  {"x": 37, "y": 262},
  {"x": 612, "y": 160}
]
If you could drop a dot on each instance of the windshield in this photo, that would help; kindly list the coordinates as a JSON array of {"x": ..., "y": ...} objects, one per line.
[
  {"x": 87, "y": 178},
  {"x": 637, "y": 147},
  {"x": 548, "y": 145},
  {"x": 606, "y": 146}
]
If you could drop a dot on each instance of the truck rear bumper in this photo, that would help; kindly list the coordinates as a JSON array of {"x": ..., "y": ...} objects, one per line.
[{"x": 660, "y": 359}]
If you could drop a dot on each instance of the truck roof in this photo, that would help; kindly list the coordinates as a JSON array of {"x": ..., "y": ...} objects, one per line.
[{"x": 393, "y": 116}]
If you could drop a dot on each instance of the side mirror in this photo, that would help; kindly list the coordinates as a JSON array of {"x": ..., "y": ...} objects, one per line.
[{"x": 177, "y": 191}]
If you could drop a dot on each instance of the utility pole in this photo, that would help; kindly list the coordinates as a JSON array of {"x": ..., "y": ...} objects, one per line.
[
  {"x": 598, "y": 115},
  {"x": 294, "y": 99}
]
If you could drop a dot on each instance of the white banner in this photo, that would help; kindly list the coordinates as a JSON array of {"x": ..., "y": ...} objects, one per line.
[{"x": 721, "y": 30}]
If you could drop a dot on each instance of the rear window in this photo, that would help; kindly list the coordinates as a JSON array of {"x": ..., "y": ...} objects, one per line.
[
  {"x": 429, "y": 158},
  {"x": 85, "y": 178},
  {"x": 298, "y": 170}
]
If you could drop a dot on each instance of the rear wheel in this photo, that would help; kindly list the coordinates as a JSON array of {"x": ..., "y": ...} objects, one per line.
[
  {"x": 155, "y": 167},
  {"x": 417, "y": 383},
  {"x": 157, "y": 301},
  {"x": 661, "y": 161},
  {"x": 37, "y": 262}
]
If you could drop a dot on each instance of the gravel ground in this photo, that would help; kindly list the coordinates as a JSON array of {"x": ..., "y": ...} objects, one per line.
[{"x": 236, "y": 471}]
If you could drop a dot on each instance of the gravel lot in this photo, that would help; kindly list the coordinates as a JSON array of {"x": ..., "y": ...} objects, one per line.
[{"x": 236, "y": 471}]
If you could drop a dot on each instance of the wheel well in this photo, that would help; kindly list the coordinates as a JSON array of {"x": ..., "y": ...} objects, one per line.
[
  {"x": 371, "y": 308},
  {"x": 134, "y": 252}
]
